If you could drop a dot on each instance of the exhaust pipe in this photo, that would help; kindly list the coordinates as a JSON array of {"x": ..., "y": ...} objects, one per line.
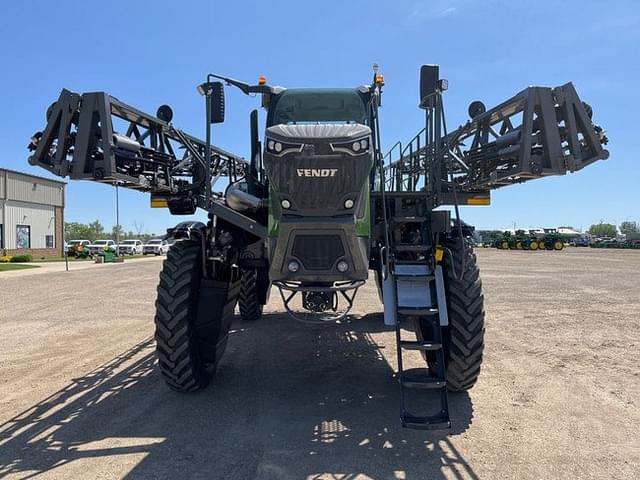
[{"x": 240, "y": 200}]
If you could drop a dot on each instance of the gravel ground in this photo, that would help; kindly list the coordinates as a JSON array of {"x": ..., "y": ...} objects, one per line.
[{"x": 558, "y": 396}]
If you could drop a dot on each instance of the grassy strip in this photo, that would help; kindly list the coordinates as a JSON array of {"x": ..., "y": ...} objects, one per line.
[{"x": 6, "y": 267}]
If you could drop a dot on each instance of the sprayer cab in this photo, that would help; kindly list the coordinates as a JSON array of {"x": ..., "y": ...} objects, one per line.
[{"x": 318, "y": 154}]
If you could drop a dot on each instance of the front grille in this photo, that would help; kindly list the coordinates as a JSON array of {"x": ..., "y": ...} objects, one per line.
[
  {"x": 310, "y": 193},
  {"x": 317, "y": 252}
]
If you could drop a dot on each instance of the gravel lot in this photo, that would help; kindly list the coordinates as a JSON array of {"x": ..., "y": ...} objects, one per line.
[{"x": 558, "y": 396}]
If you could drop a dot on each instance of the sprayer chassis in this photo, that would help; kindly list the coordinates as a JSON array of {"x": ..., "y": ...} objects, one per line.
[{"x": 382, "y": 218}]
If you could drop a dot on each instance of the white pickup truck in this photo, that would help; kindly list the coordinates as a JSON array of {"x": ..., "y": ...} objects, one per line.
[
  {"x": 130, "y": 247},
  {"x": 155, "y": 247},
  {"x": 102, "y": 245}
]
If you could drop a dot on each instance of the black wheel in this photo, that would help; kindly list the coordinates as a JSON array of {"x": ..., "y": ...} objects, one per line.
[
  {"x": 189, "y": 343},
  {"x": 248, "y": 300},
  {"x": 463, "y": 339}
]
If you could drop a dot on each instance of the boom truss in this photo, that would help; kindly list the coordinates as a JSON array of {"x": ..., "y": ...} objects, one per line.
[
  {"x": 539, "y": 132},
  {"x": 94, "y": 136}
]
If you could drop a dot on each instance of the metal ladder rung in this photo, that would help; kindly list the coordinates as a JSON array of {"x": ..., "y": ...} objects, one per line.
[
  {"x": 424, "y": 346},
  {"x": 420, "y": 378},
  {"x": 411, "y": 248},
  {"x": 417, "y": 312},
  {"x": 410, "y": 277},
  {"x": 434, "y": 422}
]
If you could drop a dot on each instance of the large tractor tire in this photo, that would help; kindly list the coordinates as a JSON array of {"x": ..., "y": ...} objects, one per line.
[
  {"x": 463, "y": 338},
  {"x": 249, "y": 298},
  {"x": 192, "y": 319}
]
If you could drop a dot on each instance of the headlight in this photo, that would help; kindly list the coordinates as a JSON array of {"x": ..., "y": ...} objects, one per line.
[
  {"x": 293, "y": 266},
  {"x": 353, "y": 147},
  {"x": 276, "y": 147}
]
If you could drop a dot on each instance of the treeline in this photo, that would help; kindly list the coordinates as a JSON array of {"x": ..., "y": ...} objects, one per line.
[{"x": 95, "y": 231}]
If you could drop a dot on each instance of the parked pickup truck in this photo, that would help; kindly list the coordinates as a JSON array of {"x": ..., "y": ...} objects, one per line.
[
  {"x": 75, "y": 246},
  {"x": 155, "y": 247},
  {"x": 130, "y": 247},
  {"x": 102, "y": 245}
]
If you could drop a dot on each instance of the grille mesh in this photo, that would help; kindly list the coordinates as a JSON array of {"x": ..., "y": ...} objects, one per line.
[{"x": 317, "y": 252}]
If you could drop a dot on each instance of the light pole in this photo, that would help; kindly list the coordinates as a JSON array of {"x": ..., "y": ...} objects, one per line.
[{"x": 117, "y": 218}]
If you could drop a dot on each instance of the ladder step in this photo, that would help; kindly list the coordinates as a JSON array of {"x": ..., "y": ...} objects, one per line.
[
  {"x": 409, "y": 277},
  {"x": 417, "y": 312},
  {"x": 405, "y": 247},
  {"x": 420, "y": 378},
  {"x": 409, "y": 219},
  {"x": 424, "y": 346},
  {"x": 434, "y": 422}
]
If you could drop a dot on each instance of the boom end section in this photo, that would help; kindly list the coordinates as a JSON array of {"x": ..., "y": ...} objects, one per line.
[
  {"x": 539, "y": 132},
  {"x": 94, "y": 136}
]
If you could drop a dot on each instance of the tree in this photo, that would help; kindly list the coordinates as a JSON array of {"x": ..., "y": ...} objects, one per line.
[
  {"x": 603, "y": 230},
  {"x": 139, "y": 226},
  {"x": 77, "y": 231},
  {"x": 629, "y": 227},
  {"x": 97, "y": 230},
  {"x": 490, "y": 236},
  {"x": 117, "y": 232}
]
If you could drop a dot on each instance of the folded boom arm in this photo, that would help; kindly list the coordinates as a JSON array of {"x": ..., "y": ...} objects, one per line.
[
  {"x": 539, "y": 132},
  {"x": 94, "y": 136}
]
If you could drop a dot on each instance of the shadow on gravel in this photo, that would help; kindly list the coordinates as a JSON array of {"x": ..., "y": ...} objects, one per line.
[{"x": 289, "y": 401}]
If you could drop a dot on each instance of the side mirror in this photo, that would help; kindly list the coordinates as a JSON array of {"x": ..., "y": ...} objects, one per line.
[
  {"x": 217, "y": 102},
  {"x": 429, "y": 76}
]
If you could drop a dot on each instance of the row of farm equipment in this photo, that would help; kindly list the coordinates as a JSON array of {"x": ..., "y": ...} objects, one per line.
[
  {"x": 553, "y": 240},
  {"x": 522, "y": 240},
  {"x": 630, "y": 241}
]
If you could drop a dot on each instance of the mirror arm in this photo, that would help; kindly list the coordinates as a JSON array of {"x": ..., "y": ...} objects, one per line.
[{"x": 244, "y": 87}]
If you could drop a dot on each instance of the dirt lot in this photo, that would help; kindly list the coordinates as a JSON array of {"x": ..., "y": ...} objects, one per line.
[{"x": 558, "y": 396}]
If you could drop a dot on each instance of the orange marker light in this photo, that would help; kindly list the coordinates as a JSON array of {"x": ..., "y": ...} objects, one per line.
[
  {"x": 379, "y": 79},
  {"x": 262, "y": 80}
]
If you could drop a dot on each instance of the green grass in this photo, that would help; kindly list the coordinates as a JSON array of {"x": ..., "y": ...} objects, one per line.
[{"x": 5, "y": 267}]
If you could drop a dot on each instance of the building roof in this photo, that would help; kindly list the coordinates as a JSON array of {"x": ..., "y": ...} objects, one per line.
[{"x": 3, "y": 169}]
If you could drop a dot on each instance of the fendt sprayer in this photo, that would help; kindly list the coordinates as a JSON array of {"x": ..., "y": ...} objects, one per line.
[{"x": 317, "y": 206}]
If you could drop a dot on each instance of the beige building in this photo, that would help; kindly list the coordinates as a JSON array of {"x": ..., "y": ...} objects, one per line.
[{"x": 31, "y": 214}]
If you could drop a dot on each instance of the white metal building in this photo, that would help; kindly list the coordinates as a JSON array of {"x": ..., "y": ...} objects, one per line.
[{"x": 31, "y": 214}]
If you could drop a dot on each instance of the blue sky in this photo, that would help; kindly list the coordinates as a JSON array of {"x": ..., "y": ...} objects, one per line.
[{"x": 150, "y": 53}]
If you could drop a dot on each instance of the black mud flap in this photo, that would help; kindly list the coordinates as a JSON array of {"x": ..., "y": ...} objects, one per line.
[{"x": 216, "y": 304}]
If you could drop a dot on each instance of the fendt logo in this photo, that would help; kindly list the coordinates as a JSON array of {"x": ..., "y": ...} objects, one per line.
[{"x": 317, "y": 172}]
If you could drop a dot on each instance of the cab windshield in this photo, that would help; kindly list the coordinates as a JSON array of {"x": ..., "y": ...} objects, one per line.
[{"x": 318, "y": 106}]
